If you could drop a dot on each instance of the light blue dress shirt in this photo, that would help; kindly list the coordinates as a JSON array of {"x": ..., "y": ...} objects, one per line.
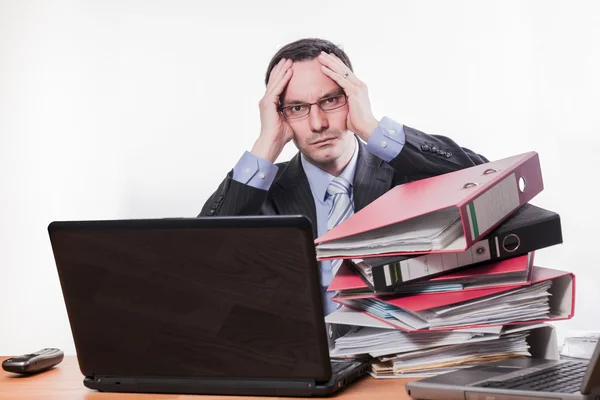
[{"x": 386, "y": 142}]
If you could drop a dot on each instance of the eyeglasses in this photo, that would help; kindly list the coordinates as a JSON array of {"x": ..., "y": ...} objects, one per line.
[{"x": 301, "y": 110}]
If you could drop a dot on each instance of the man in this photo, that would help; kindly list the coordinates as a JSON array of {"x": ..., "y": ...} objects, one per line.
[{"x": 314, "y": 99}]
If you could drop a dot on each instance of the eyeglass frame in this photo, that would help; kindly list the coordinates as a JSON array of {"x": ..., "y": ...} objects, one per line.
[{"x": 281, "y": 109}]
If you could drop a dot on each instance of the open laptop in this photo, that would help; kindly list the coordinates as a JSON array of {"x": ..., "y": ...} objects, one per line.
[
  {"x": 227, "y": 305},
  {"x": 516, "y": 378}
]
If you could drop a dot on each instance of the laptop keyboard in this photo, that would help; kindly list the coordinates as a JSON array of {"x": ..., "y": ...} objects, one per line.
[{"x": 563, "y": 378}]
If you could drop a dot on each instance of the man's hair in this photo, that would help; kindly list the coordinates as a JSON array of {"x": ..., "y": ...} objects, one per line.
[{"x": 307, "y": 49}]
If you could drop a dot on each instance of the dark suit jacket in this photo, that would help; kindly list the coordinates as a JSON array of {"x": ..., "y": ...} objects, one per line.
[{"x": 421, "y": 157}]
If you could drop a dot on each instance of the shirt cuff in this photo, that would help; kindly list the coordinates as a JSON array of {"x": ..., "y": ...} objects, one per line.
[
  {"x": 255, "y": 171},
  {"x": 387, "y": 140}
]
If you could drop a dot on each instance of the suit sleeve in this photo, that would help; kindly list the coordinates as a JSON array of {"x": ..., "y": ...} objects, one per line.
[
  {"x": 414, "y": 153},
  {"x": 244, "y": 189}
]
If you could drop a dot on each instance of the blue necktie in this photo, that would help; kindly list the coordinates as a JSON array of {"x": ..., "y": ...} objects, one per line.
[{"x": 341, "y": 209}]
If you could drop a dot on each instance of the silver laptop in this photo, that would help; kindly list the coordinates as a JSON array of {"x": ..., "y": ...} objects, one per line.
[{"x": 515, "y": 378}]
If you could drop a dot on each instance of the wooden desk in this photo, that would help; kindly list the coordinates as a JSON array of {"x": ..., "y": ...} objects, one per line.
[{"x": 65, "y": 382}]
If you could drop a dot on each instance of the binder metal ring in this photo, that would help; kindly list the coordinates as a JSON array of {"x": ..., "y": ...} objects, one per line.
[
  {"x": 522, "y": 184},
  {"x": 489, "y": 171},
  {"x": 509, "y": 248},
  {"x": 469, "y": 185}
]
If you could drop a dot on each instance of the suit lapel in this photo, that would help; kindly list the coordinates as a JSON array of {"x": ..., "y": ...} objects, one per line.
[
  {"x": 293, "y": 194},
  {"x": 373, "y": 177}
]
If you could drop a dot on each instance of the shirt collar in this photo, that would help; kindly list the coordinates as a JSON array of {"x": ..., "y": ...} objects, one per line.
[{"x": 319, "y": 180}]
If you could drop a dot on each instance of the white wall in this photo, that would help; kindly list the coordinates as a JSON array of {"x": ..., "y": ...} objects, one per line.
[{"x": 119, "y": 109}]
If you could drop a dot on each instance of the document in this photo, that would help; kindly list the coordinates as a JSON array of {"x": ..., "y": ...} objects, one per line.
[
  {"x": 580, "y": 344},
  {"x": 434, "y": 231},
  {"x": 522, "y": 304},
  {"x": 438, "y": 359},
  {"x": 378, "y": 342}
]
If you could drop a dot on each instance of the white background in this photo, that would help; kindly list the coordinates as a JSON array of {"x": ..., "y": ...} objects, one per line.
[{"x": 121, "y": 109}]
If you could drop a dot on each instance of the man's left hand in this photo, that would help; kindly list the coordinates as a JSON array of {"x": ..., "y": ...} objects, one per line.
[{"x": 360, "y": 117}]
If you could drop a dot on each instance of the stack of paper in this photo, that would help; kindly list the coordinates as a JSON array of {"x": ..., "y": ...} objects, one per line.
[
  {"x": 461, "y": 355},
  {"x": 451, "y": 359},
  {"x": 523, "y": 304},
  {"x": 434, "y": 231},
  {"x": 402, "y": 354},
  {"x": 408, "y": 329},
  {"x": 378, "y": 342}
]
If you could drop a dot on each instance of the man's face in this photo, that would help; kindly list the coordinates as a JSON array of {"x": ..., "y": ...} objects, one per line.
[{"x": 321, "y": 136}]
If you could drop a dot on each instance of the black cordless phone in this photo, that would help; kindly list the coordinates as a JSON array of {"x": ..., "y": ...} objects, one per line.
[{"x": 32, "y": 363}]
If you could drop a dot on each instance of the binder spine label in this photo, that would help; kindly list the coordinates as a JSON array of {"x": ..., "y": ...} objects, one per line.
[
  {"x": 473, "y": 221},
  {"x": 392, "y": 273},
  {"x": 388, "y": 277},
  {"x": 492, "y": 206}
]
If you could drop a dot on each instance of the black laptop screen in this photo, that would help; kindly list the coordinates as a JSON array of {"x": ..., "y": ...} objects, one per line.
[{"x": 208, "y": 299}]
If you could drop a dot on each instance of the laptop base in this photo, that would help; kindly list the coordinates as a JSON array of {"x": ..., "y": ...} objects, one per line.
[{"x": 225, "y": 386}]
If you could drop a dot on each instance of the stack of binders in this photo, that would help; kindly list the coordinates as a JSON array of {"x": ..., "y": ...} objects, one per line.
[{"x": 439, "y": 274}]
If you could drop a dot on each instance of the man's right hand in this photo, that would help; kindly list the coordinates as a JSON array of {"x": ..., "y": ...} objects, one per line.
[{"x": 275, "y": 132}]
